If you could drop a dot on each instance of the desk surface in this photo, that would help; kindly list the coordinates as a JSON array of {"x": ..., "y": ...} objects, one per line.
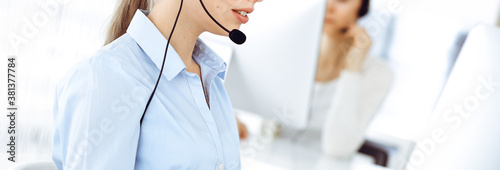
[
  {"x": 300, "y": 152},
  {"x": 282, "y": 153}
]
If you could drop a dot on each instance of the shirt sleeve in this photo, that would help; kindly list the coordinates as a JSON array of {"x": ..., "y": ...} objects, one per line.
[
  {"x": 96, "y": 118},
  {"x": 356, "y": 100}
]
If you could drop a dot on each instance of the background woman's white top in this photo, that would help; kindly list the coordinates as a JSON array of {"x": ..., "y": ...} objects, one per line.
[{"x": 343, "y": 108}]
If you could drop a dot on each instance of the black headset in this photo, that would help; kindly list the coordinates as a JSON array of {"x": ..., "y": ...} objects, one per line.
[{"x": 235, "y": 35}]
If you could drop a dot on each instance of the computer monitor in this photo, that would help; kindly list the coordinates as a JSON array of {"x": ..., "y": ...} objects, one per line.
[
  {"x": 464, "y": 132},
  {"x": 273, "y": 73}
]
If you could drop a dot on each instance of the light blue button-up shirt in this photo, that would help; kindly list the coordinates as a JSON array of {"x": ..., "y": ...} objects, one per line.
[{"x": 99, "y": 103}]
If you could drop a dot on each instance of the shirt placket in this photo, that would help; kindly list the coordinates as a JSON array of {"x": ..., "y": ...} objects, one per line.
[{"x": 196, "y": 87}]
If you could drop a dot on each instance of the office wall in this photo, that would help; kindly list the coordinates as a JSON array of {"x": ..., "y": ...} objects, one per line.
[
  {"x": 52, "y": 36},
  {"x": 426, "y": 33}
]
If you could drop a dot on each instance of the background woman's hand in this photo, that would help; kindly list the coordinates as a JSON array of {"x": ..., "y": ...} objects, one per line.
[
  {"x": 242, "y": 129},
  {"x": 358, "y": 43}
]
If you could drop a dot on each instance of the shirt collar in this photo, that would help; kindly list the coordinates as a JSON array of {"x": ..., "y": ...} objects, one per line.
[
  {"x": 203, "y": 53},
  {"x": 153, "y": 43}
]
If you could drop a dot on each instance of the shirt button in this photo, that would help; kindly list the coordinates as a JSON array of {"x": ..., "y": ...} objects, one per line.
[{"x": 220, "y": 166}]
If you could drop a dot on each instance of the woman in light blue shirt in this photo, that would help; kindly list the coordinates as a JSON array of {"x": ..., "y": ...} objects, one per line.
[{"x": 189, "y": 123}]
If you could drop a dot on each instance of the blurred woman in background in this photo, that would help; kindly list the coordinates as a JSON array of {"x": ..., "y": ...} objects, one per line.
[{"x": 350, "y": 85}]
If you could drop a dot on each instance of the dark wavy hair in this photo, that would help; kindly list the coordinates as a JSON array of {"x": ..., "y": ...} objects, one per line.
[{"x": 365, "y": 6}]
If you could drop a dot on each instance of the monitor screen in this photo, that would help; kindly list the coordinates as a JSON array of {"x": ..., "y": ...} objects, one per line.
[{"x": 273, "y": 73}]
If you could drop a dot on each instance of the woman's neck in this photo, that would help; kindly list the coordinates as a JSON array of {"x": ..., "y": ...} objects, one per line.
[
  {"x": 331, "y": 60},
  {"x": 332, "y": 47},
  {"x": 185, "y": 34}
]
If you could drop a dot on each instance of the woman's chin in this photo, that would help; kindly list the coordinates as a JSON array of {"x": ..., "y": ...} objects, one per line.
[
  {"x": 220, "y": 32},
  {"x": 332, "y": 31},
  {"x": 329, "y": 32}
]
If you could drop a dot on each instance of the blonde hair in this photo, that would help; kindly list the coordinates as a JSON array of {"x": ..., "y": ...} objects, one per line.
[{"x": 122, "y": 17}]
